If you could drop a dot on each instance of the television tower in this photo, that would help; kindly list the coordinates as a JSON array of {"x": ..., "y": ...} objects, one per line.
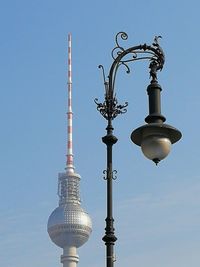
[{"x": 69, "y": 226}]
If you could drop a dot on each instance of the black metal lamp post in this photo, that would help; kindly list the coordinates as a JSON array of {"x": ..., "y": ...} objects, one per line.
[{"x": 155, "y": 137}]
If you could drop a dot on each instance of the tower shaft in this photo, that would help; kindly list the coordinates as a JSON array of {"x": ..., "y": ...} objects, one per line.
[{"x": 69, "y": 257}]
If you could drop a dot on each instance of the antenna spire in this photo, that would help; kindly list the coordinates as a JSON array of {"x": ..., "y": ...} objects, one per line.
[{"x": 70, "y": 161}]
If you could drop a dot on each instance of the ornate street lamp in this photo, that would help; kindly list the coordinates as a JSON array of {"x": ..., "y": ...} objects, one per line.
[{"x": 155, "y": 137}]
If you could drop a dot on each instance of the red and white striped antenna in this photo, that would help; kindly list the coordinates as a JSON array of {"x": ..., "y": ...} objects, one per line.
[{"x": 70, "y": 161}]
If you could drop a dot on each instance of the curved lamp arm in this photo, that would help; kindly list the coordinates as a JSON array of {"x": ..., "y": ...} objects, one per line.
[
  {"x": 153, "y": 53},
  {"x": 122, "y": 57}
]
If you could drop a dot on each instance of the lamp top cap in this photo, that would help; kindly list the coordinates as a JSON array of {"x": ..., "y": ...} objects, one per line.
[{"x": 163, "y": 129}]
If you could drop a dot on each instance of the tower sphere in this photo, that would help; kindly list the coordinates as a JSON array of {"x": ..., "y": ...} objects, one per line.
[{"x": 69, "y": 225}]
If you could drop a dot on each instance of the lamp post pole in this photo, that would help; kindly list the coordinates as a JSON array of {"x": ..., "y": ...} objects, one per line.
[{"x": 155, "y": 137}]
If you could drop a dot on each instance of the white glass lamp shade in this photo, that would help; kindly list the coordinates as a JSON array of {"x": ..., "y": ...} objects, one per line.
[{"x": 156, "y": 147}]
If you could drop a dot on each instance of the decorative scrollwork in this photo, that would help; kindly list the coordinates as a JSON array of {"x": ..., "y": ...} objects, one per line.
[
  {"x": 110, "y": 109},
  {"x": 153, "y": 53},
  {"x": 103, "y": 71},
  {"x": 161, "y": 56},
  {"x": 105, "y": 174},
  {"x": 157, "y": 61},
  {"x": 119, "y": 49},
  {"x": 122, "y": 35},
  {"x": 113, "y": 175}
]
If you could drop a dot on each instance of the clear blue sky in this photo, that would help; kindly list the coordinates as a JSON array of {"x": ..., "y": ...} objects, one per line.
[{"x": 157, "y": 209}]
